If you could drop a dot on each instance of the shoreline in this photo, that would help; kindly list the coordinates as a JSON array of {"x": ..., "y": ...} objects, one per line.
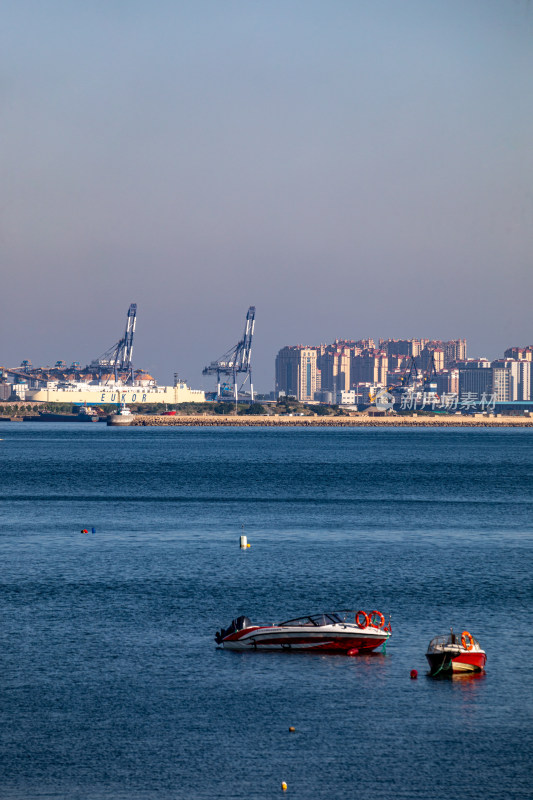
[{"x": 362, "y": 421}]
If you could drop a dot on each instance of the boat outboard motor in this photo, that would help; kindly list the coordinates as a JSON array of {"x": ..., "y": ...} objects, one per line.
[{"x": 236, "y": 625}]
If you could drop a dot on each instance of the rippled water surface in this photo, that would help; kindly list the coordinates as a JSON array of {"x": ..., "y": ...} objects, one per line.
[{"x": 112, "y": 686}]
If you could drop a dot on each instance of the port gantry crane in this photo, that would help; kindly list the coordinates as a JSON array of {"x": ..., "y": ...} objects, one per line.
[
  {"x": 237, "y": 360},
  {"x": 119, "y": 357},
  {"x": 415, "y": 378}
]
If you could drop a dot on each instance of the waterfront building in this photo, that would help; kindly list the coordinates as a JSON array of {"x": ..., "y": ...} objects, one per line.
[
  {"x": 511, "y": 380},
  {"x": 324, "y": 396},
  {"x": 346, "y": 398},
  {"x": 296, "y": 372},
  {"x": 19, "y": 391},
  {"x": 475, "y": 376},
  {"x": 525, "y": 380},
  {"x": 448, "y": 382}
]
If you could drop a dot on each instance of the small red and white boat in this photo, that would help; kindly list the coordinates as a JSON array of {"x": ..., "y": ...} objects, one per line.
[
  {"x": 350, "y": 632},
  {"x": 449, "y": 654}
]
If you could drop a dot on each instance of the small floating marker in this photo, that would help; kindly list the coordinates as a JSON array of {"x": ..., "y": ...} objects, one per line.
[
  {"x": 248, "y": 545},
  {"x": 93, "y": 530},
  {"x": 84, "y": 530},
  {"x": 353, "y": 652},
  {"x": 414, "y": 674},
  {"x": 292, "y": 729},
  {"x": 283, "y": 786},
  {"x": 244, "y": 542}
]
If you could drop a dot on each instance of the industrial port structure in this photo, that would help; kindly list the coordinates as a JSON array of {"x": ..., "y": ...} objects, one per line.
[
  {"x": 237, "y": 360},
  {"x": 119, "y": 357},
  {"x": 110, "y": 378}
]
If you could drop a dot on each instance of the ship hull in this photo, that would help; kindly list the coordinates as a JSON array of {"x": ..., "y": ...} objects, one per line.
[
  {"x": 62, "y": 418},
  {"x": 119, "y": 420}
]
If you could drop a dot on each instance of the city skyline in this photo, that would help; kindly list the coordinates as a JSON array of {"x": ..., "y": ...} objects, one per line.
[
  {"x": 350, "y": 371},
  {"x": 348, "y": 168},
  {"x": 392, "y": 360}
]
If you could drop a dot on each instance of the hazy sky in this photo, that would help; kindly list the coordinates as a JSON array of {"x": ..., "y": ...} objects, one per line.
[{"x": 352, "y": 168}]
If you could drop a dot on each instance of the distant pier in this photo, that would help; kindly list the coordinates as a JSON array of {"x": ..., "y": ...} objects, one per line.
[{"x": 360, "y": 421}]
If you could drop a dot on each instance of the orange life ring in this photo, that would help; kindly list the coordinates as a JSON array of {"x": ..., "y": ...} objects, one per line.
[
  {"x": 381, "y": 619},
  {"x": 365, "y": 618},
  {"x": 467, "y": 640}
]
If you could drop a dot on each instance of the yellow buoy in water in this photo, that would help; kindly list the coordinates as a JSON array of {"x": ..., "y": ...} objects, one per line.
[
  {"x": 284, "y": 786},
  {"x": 248, "y": 545},
  {"x": 292, "y": 730}
]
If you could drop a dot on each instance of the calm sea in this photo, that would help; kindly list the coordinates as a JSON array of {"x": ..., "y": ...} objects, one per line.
[{"x": 112, "y": 686}]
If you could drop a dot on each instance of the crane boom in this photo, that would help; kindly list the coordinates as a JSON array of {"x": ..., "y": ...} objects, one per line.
[
  {"x": 236, "y": 360},
  {"x": 119, "y": 356}
]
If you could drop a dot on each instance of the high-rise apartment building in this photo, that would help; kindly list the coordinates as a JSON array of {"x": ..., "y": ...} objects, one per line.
[
  {"x": 511, "y": 380},
  {"x": 370, "y": 366},
  {"x": 333, "y": 361},
  {"x": 525, "y": 379},
  {"x": 448, "y": 382},
  {"x": 303, "y": 370},
  {"x": 475, "y": 376},
  {"x": 424, "y": 359},
  {"x": 402, "y": 347},
  {"x": 454, "y": 350},
  {"x": 505, "y": 380},
  {"x": 519, "y": 353},
  {"x": 296, "y": 372}
]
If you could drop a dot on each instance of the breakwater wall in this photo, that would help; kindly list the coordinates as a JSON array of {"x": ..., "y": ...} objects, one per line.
[{"x": 361, "y": 421}]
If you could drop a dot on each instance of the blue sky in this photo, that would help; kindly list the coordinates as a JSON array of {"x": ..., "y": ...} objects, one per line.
[{"x": 352, "y": 169}]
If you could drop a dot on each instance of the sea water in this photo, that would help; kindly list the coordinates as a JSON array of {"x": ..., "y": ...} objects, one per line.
[{"x": 111, "y": 683}]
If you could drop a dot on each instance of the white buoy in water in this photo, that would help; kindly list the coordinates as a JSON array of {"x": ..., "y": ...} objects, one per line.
[{"x": 243, "y": 542}]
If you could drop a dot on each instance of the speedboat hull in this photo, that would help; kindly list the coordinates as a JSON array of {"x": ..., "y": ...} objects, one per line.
[
  {"x": 272, "y": 638},
  {"x": 451, "y": 654},
  {"x": 324, "y": 633},
  {"x": 450, "y": 663}
]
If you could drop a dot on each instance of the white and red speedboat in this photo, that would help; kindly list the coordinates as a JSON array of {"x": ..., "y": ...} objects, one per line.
[
  {"x": 349, "y": 632},
  {"x": 450, "y": 654}
]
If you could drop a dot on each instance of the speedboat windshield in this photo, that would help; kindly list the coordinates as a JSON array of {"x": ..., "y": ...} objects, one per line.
[
  {"x": 314, "y": 620},
  {"x": 451, "y": 641}
]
